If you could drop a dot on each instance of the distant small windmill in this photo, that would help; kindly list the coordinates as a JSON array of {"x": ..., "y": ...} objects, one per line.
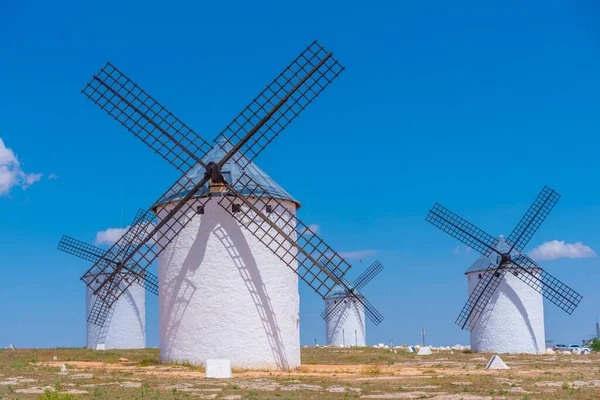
[
  {"x": 345, "y": 313},
  {"x": 505, "y": 285},
  {"x": 228, "y": 284},
  {"x": 125, "y": 325}
]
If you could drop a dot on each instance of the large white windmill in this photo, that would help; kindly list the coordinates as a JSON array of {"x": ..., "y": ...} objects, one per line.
[
  {"x": 231, "y": 247},
  {"x": 344, "y": 313},
  {"x": 505, "y": 312}
]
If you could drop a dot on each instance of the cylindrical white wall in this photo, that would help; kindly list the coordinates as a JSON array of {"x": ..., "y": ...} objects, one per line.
[
  {"x": 347, "y": 327},
  {"x": 125, "y": 327},
  {"x": 224, "y": 294},
  {"x": 513, "y": 321}
]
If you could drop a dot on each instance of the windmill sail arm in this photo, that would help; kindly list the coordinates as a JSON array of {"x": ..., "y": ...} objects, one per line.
[
  {"x": 146, "y": 118},
  {"x": 280, "y": 103},
  {"x": 368, "y": 275},
  {"x": 480, "y": 297},
  {"x": 549, "y": 286},
  {"x": 533, "y": 219},
  {"x": 444, "y": 219},
  {"x": 299, "y": 247},
  {"x": 138, "y": 248}
]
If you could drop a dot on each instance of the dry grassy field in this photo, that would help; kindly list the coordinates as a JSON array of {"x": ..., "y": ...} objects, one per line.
[{"x": 327, "y": 373}]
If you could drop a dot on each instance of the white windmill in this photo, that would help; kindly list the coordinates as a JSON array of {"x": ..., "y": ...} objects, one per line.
[
  {"x": 344, "y": 314},
  {"x": 231, "y": 247},
  {"x": 505, "y": 311},
  {"x": 125, "y": 324}
]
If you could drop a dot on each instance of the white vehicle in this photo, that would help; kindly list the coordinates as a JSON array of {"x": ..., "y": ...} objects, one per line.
[{"x": 579, "y": 349}]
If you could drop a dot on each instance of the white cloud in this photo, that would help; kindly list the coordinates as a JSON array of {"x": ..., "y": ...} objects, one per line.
[
  {"x": 357, "y": 254},
  {"x": 559, "y": 249},
  {"x": 11, "y": 174},
  {"x": 462, "y": 250},
  {"x": 53, "y": 177},
  {"x": 312, "y": 229},
  {"x": 110, "y": 235}
]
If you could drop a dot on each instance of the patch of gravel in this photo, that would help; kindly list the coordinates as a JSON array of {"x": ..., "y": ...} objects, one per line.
[
  {"x": 461, "y": 397},
  {"x": 301, "y": 386},
  {"x": 517, "y": 389},
  {"x": 343, "y": 389},
  {"x": 259, "y": 384},
  {"x": 423, "y": 387},
  {"x": 35, "y": 390},
  {"x": 461, "y": 383},
  {"x": 17, "y": 380},
  {"x": 81, "y": 376},
  {"x": 232, "y": 397},
  {"x": 401, "y": 395},
  {"x": 131, "y": 384}
]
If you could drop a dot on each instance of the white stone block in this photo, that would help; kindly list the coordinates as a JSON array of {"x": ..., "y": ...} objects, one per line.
[
  {"x": 100, "y": 346},
  {"x": 496, "y": 363},
  {"x": 218, "y": 369}
]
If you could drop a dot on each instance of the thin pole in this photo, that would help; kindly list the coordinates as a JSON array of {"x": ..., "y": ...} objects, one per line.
[
  {"x": 423, "y": 333},
  {"x": 343, "y": 337}
]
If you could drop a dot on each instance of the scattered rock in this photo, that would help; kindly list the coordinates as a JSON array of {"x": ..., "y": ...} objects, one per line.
[
  {"x": 130, "y": 384},
  {"x": 54, "y": 358},
  {"x": 123, "y": 360},
  {"x": 343, "y": 389},
  {"x": 35, "y": 390},
  {"x": 82, "y": 376},
  {"x": 401, "y": 395},
  {"x": 301, "y": 386},
  {"x": 218, "y": 368},
  {"x": 63, "y": 369}
]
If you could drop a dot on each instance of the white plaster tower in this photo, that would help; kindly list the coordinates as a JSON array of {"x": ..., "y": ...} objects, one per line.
[
  {"x": 513, "y": 320},
  {"x": 223, "y": 293},
  {"x": 345, "y": 308},
  {"x": 347, "y": 326},
  {"x": 125, "y": 325}
]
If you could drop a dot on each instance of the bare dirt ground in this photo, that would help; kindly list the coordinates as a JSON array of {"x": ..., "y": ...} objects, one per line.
[{"x": 327, "y": 373}]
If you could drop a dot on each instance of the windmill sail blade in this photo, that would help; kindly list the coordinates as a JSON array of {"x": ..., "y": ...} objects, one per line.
[
  {"x": 280, "y": 102},
  {"x": 368, "y": 275},
  {"x": 146, "y": 118},
  {"x": 333, "y": 308},
  {"x": 550, "y": 287},
  {"x": 480, "y": 297},
  {"x": 92, "y": 253},
  {"x": 137, "y": 249},
  {"x": 285, "y": 235},
  {"x": 444, "y": 219},
  {"x": 370, "y": 310},
  {"x": 533, "y": 218},
  {"x": 80, "y": 249}
]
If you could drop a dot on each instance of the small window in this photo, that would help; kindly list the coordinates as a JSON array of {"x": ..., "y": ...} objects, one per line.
[
  {"x": 236, "y": 208},
  {"x": 200, "y": 210},
  {"x": 268, "y": 209},
  {"x": 479, "y": 276},
  {"x": 497, "y": 274}
]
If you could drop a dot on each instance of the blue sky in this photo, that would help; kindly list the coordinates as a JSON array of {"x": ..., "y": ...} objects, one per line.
[{"x": 473, "y": 106}]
